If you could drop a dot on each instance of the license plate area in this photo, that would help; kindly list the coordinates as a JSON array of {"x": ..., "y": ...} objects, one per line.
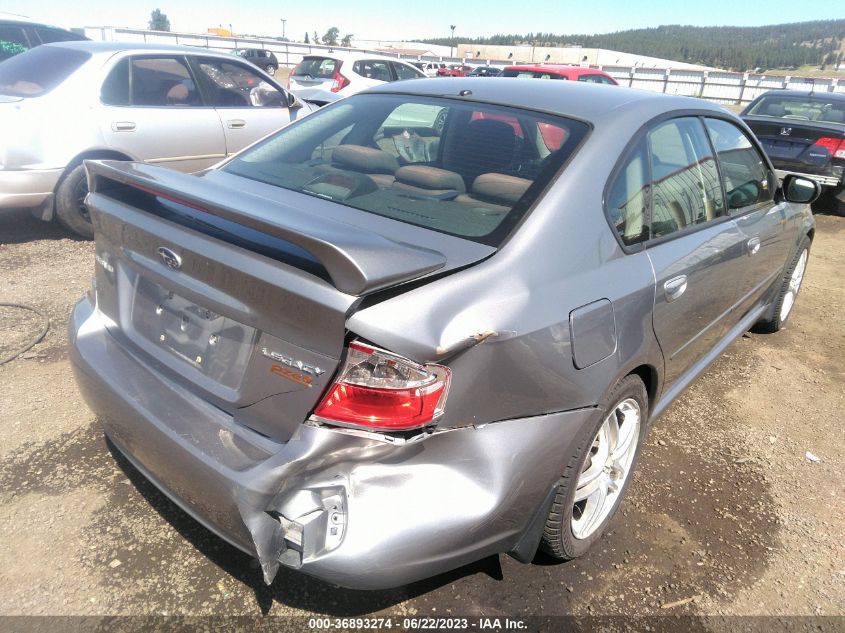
[{"x": 215, "y": 345}]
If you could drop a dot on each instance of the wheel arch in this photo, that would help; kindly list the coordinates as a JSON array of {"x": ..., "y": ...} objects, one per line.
[{"x": 94, "y": 153}]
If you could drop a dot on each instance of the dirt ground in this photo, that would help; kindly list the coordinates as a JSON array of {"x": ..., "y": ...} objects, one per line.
[{"x": 726, "y": 513}]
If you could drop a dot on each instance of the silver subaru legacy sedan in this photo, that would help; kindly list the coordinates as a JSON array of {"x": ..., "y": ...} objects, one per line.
[
  {"x": 431, "y": 322},
  {"x": 183, "y": 107}
]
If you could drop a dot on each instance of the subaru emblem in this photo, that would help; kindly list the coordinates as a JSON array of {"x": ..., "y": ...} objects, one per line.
[{"x": 171, "y": 259}]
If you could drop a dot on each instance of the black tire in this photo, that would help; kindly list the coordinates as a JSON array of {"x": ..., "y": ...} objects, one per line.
[
  {"x": 830, "y": 203},
  {"x": 774, "y": 321},
  {"x": 70, "y": 211},
  {"x": 558, "y": 539},
  {"x": 271, "y": 70}
]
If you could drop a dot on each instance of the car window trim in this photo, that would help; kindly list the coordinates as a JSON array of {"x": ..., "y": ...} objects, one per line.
[{"x": 626, "y": 154}]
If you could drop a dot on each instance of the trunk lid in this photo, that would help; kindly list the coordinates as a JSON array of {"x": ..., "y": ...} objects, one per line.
[
  {"x": 790, "y": 142},
  {"x": 241, "y": 298}
]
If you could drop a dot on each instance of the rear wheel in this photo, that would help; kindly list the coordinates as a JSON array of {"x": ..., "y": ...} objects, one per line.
[
  {"x": 830, "y": 203},
  {"x": 70, "y": 208},
  {"x": 591, "y": 488},
  {"x": 791, "y": 285},
  {"x": 270, "y": 69}
]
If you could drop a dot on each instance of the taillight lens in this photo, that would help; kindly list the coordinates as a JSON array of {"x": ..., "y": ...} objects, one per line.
[
  {"x": 836, "y": 146},
  {"x": 339, "y": 82},
  {"x": 380, "y": 390}
]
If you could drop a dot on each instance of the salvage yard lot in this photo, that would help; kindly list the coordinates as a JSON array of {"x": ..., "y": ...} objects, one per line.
[{"x": 726, "y": 514}]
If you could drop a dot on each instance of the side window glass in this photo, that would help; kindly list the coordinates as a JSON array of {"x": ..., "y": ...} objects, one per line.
[
  {"x": 627, "y": 198},
  {"x": 51, "y": 35},
  {"x": 162, "y": 81},
  {"x": 12, "y": 41},
  {"x": 115, "y": 89},
  {"x": 373, "y": 69},
  {"x": 233, "y": 85},
  {"x": 403, "y": 72},
  {"x": 747, "y": 179},
  {"x": 685, "y": 184}
]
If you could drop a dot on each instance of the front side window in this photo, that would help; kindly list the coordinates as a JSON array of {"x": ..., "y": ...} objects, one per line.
[
  {"x": 39, "y": 70},
  {"x": 746, "y": 176},
  {"x": 162, "y": 81},
  {"x": 233, "y": 85},
  {"x": 685, "y": 184},
  {"x": 465, "y": 169}
]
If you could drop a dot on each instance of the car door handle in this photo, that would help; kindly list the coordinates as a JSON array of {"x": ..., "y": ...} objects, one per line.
[
  {"x": 123, "y": 126},
  {"x": 753, "y": 245},
  {"x": 236, "y": 124},
  {"x": 675, "y": 287}
]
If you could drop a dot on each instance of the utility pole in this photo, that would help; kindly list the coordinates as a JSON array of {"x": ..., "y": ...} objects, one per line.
[
  {"x": 451, "y": 48},
  {"x": 284, "y": 21}
]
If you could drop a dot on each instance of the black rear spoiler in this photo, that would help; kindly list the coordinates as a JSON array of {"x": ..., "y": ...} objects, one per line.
[{"x": 358, "y": 261}]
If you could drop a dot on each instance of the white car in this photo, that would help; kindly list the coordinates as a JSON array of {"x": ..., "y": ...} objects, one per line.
[
  {"x": 181, "y": 107},
  {"x": 325, "y": 78}
]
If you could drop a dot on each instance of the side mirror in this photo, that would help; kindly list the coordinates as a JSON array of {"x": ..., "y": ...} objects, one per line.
[
  {"x": 293, "y": 102},
  {"x": 799, "y": 189}
]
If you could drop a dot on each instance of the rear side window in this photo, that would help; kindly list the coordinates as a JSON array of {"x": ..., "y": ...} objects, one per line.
[
  {"x": 685, "y": 183},
  {"x": 373, "y": 69},
  {"x": 317, "y": 67},
  {"x": 39, "y": 70},
  {"x": 162, "y": 81},
  {"x": 13, "y": 40},
  {"x": 466, "y": 169},
  {"x": 627, "y": 200},
  {"x": 747, "y": 179}
]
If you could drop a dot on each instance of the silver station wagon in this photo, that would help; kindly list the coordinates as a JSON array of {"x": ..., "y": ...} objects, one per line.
[
  {"x": 179, "y": 106},
  {"x": 431, "y": 322}
]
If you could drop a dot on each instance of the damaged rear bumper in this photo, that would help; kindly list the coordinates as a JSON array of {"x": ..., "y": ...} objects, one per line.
[{"x": 350, "y": 509}]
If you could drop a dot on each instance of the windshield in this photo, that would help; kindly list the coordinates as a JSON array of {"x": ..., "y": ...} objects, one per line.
[
  {"x": 801, "y": 107},
  {"x": 463, "y": 168},
  {"x": 38, "y": 71}
]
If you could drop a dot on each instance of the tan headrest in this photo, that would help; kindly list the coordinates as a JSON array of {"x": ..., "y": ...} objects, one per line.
[
  {"x": 364, "y": 159},
  {"x": 430, "y": 178},
  {"x": 500, "y": 187}
]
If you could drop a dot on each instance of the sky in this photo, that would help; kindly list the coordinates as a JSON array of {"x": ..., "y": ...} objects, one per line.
[{"x": 401, "y": 20}]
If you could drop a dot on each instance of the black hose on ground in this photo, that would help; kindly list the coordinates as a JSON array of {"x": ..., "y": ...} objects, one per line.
[{"x": 35, "y": 339}]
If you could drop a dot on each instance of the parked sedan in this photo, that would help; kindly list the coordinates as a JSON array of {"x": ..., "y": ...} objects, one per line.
[
  {"x": 804, "y": 132},
  {"x": 182, "y": 107},
  {"x": 18, "y": 36},
  {"x": 454, "y": 70},
  {"x": 405, "y": 333},
  {"x": 322, "y": 79}
]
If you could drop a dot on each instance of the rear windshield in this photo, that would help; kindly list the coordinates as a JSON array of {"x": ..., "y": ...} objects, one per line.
[
  {"x": 38, "y": 71},
  {"x": 466, "y": 169},
  {"x": 317, "y": 67},
  {"x": 801, "y": 108}
]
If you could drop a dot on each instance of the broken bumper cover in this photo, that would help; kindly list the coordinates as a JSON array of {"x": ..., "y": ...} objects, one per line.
[{"x": 352, "y": 510}]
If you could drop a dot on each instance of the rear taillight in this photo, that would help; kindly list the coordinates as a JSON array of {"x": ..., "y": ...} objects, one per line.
[
  {"x": 382, "y": 391},
  {"x": 339, "y": 82},
  {"x": 836, "y": 146}
]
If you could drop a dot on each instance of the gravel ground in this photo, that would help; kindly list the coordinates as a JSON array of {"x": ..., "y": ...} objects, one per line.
[{"x": 726, "y": 515}]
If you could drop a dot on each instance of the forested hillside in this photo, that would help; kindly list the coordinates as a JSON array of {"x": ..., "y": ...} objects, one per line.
[{"x": 736, "y": 48}]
